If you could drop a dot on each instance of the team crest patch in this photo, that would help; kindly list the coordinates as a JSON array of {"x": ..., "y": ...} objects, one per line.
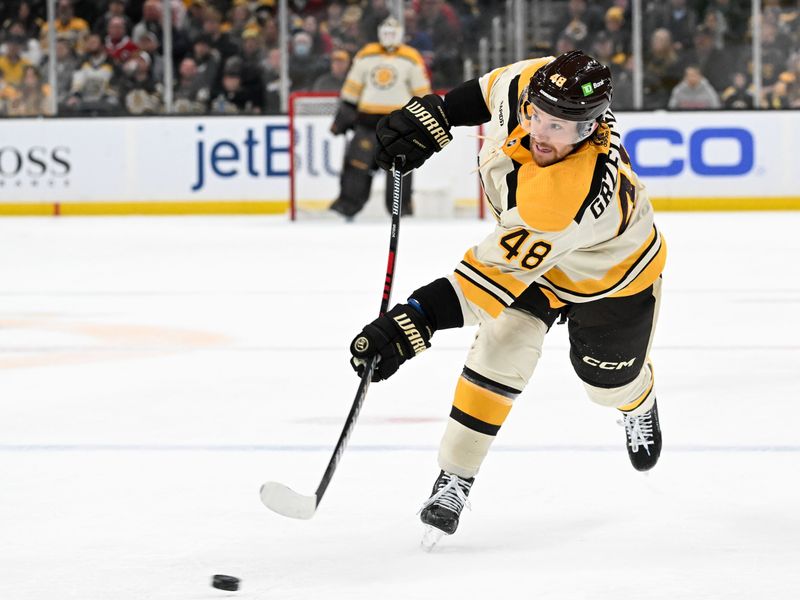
[
  {"x": 383, "y": 76},
  {"x": 588, "y": 89}
]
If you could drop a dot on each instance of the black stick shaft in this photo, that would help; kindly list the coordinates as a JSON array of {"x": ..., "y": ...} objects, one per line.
[{"x": 363, "y": 386}]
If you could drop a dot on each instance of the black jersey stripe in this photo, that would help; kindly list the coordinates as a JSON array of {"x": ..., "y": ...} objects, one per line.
[
  {"x": 494, "y": 295},
  {"x": 473, "y": 423},
  {"x": 623, "y": 154},
  {"x": 513, "y": 100},
  {"x": 511, "y": 182},
  {"x": 487, "y": 280},
  {"x": 594, "y": 188},
  {"x": 490, "y": 384},
  {"x": 611, "y": 288},
  {"x": 485, "y": 196},
  {"x": 513, "y": 176},
  {"x": 624, "y": 208}
]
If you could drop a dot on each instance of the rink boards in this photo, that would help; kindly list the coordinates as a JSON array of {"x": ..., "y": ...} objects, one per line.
[{"x": 239, "y": 165}]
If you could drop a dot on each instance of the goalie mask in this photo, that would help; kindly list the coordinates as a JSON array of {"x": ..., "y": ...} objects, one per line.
[
  {"x": 390, "y": 33},
  {"x": 574, "y": 88}
]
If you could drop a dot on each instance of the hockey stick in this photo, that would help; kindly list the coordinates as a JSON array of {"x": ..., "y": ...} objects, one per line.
[{"x": 284, "y": 500}]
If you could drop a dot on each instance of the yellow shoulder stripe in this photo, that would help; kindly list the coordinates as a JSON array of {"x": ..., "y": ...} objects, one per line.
[
  {"x": 492, "y": 79},
  {"x": 411, "y": 54},
  {"x": 369, "y": 49}
]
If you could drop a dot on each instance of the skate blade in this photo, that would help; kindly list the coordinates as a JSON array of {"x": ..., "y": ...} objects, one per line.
[{"x": 431, "y": 537}]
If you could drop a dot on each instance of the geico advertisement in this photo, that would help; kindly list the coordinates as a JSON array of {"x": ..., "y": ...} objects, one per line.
[{"x": 714, "y": 154}]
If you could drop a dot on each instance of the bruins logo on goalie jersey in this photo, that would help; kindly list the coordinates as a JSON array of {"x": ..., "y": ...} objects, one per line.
[{"x": 383, "y": 76}]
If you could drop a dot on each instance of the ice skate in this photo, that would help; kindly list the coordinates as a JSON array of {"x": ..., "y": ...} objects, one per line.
[
  {"x": 643, "y": 439},
  {"x": 441, "y": 511}
]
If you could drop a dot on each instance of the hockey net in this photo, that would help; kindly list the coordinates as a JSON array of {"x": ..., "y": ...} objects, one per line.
[{"x": 446, "y": 186}]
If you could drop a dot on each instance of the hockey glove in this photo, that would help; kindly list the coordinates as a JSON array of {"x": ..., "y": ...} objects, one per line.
[
  {"x": 395, "y": 337},
  {"x": 345, "y": 118},
  {"x": 416, "y": 131}
]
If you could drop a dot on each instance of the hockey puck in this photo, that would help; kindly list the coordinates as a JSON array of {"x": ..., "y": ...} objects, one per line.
[{"x": 225, "y": 582}]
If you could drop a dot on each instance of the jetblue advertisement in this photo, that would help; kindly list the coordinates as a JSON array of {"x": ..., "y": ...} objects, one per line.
[{"x": 708, "y": 155}]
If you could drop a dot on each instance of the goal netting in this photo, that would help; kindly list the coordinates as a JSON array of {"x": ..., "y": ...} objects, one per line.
[{"x": 446, "y": 186}]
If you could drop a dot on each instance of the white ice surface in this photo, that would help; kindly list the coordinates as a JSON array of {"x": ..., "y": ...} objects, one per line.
[{"x": 155, "y": 372}]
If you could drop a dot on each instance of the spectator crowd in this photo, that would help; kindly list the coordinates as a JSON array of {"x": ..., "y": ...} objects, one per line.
[{"x": 226, "y": 55}]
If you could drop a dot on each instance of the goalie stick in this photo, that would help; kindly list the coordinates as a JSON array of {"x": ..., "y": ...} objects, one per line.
[{"x": 284, "y": 500}]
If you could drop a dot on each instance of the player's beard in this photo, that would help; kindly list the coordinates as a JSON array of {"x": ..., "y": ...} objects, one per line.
[{"x": 545, "y": 159}]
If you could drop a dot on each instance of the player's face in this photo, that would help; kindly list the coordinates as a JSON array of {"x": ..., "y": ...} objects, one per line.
[{"x": 551, "y": 138}]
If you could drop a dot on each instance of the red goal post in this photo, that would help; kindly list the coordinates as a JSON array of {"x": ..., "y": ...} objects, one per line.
[{"x": 447, "y": 186}]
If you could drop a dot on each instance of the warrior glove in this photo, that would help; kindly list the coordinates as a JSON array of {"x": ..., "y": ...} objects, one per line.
[
  {"x": 394, "y": 337},
  {"x": 415, "y": 131}
]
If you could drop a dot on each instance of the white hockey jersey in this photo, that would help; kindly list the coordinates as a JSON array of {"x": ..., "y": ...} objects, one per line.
[
  {"x": 381, "y": 81},
  {"x": 581, "y": 228}
]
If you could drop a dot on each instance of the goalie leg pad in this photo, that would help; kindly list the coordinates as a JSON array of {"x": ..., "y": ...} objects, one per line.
[
  {"x": 355, "y": 186},
  {"x": 356, "y": 178}
]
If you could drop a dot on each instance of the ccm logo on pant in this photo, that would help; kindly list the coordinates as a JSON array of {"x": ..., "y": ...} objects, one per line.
[
  {"x": 610, "y": 366},
  {"x": 413, "y": 335}
]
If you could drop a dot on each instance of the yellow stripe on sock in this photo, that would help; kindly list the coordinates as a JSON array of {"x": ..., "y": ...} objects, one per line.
[{"x": 480, "y": 403}]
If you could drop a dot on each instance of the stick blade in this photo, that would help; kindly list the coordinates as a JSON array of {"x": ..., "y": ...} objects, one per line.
[{"x": 285, "y": 501}]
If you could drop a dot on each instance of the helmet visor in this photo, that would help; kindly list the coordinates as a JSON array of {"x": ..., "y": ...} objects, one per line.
[{"x": 546, "y": 128}]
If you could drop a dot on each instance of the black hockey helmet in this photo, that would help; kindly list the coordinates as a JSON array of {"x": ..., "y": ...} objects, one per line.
[{"x": 573, "y": 86}]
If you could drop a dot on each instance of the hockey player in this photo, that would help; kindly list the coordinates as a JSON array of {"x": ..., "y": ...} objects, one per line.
[
  {"x": 383, "y": 77},
  {"x": 574, "y": 239}
]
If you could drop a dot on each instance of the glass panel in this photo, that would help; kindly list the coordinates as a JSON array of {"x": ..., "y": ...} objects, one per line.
[
  {"x": 109, "y": 56},
  {"x": 780, "y": 55}
]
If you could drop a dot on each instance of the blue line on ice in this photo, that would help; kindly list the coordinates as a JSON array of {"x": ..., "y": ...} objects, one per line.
[{"x": 367, "y": 448}]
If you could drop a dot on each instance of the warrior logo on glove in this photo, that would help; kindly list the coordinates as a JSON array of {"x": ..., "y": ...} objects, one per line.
[
  {"x": 416, "y": 131},
  {"x": 361, "y": 344},
  {"x": 412, "y": 333},
  {"x": 439, "y": 133},
  {"x": 393, "y": 338}
]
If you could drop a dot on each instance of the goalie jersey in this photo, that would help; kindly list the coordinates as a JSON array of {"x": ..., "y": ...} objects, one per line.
[
  {"x": 382, "y": 80},
  {"x": 581, "y": 228}
]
